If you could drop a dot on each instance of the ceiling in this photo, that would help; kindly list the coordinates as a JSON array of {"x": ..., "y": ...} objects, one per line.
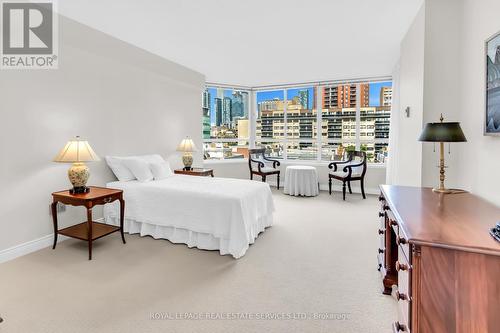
[{"x": 259, "y": 42}]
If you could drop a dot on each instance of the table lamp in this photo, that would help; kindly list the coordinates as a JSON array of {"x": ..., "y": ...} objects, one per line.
[
  {"x": 77, "y": 152},
  {"x": 187, "y": 147},
  {"x": 442, "y": 132}
]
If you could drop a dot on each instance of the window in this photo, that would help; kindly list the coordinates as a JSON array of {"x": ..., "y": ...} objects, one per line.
[
  {"x": 225, "y": 123},
  {"x": 287, "y": 119},
  {"x": 317, "y": 122}
]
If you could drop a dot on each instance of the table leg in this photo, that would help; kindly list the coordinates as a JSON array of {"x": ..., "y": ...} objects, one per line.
[
  {"x": 89, "y": 231},
  {"x": 122, "y": 217},
  {"x": 212, "y": 174},
  {"x": 54, "y": 220}
]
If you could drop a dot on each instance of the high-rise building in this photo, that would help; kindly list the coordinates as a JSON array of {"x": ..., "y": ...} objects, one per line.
[
  {"x": 304, "y": 98},
  {"x": 227, "y": 111},
  {"x": 385, "y": 96},
  {"x": 242, "y": 127},
  {"x": 237, "y": 106},
  {"x": 205, "y": 103},
  {"x": 206, "y": 100},
  {"x": 218, "y": 111},
  {"x": 246, "y": 106},
  {"x": 344, "y": 96}
]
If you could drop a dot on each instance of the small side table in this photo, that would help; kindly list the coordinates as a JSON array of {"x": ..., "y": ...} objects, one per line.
[
  {"x": 301, "y": 180},
  {"x": 89, "y": 230},
  {"x": 196, "y": 172}
]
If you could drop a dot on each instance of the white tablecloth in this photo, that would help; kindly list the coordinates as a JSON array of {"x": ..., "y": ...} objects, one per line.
[{"x": 301, "y": 180}]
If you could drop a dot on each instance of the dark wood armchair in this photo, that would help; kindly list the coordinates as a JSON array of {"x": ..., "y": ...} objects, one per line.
[
  {"x": 354, "y": 169},
  {"x": 260, "y": 165}
]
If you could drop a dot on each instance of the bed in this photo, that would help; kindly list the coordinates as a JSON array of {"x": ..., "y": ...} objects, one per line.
[{"x": 208, "y": 213}]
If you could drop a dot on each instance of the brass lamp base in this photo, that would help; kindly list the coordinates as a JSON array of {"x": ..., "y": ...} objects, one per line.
[
  {"x": 448, "y": 190},
  {"x": 441, "y": 190}
]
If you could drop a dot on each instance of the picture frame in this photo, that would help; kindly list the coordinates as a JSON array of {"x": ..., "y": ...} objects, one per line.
[{"x": 492, "y": 87}]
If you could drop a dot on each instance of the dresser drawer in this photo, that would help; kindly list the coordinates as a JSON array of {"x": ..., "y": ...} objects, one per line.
[
  {"x": 403, "y": 294},
  {"x": 403, "y": 242}
]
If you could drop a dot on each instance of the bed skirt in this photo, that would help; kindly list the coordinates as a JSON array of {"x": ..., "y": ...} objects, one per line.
[{"x": 192, "y": 239}]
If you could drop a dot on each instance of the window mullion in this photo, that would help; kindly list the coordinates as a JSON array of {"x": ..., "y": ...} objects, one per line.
[
  {"x": 319, "y": 124},
  {"x": 358, "y": 116},
  {"x": 252, "y": 118},
  {"x": 285, "y": 126}
]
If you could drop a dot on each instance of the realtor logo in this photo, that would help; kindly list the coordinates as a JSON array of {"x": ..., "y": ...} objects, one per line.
[{"x": 29, "y": 35}]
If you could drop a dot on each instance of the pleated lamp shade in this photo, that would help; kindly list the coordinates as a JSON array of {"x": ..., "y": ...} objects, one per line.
[
  {"x": 187, "y": 145},
  {"x": 76, "y": 151}
]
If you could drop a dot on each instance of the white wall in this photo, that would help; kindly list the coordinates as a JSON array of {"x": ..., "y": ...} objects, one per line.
[
  {"x": 480, "y": 156},
  {"x": 122, "y": 99},
  {"x": 408, "y": 162},
  {"x": 453, "y": 81},
  {"x": 441, "y": 83}
]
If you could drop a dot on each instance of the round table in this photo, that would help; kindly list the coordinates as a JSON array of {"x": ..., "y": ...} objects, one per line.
[{"x": 301, "y": 180}]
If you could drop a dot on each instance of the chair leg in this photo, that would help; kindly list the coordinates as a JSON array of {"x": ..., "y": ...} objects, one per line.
[
  {"x": 278, "y": 181},
  {"x": 251, "y": 176},
  {"x": 330, "y": 185},
  {"x": 263, "y": 179},
  {"x": 363, "y": 188},
  {"x": 349, "y": 186},
  {"x": 343, "y": 190}
]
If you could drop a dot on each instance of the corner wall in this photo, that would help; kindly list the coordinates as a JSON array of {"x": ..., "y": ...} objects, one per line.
[
  {"x": 452, "y": 82},
  {"x": 479, "y": 161},
  {"x": 408, "y": 161},
  {"x": 441, "y": 84},
  {"x": 124, "y": 100}
]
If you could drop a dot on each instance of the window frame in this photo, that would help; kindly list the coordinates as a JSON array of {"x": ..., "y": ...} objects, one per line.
[{"x": 318, "y": 103}]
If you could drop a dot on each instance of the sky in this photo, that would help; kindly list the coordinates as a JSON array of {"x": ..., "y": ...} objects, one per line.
[{"x": 291, "y": 93}]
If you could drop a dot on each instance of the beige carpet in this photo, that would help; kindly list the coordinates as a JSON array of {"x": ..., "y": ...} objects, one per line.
[{"x": 319, "y": 257}]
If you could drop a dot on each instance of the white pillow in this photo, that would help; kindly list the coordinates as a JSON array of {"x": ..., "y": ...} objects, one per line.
[
  {"x": 160, "y": 170},
  {"x": 139, "y": 168},
  {"x": 119, "y": 169}
]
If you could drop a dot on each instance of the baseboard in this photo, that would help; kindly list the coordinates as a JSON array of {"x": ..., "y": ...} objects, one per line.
[
  {"x": 368, "y": 190},
  {"x": 32, "y": 246},
  {"x": 337, "y": 188}
]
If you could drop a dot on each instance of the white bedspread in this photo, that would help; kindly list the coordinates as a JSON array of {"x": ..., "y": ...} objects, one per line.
[{"x": 209, "y": 213}]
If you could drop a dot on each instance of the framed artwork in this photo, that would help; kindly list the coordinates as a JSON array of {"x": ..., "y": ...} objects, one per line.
[{"x": 492, "y": 120}]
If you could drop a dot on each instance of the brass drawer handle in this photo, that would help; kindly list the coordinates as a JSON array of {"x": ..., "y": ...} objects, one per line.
[
  {"x": 108, "y": 200},
  {"x": 401, "y": 240},
  {"x": 398, "y": 327},
  {"x": 380, "y": 250},
  {"x": 381, "y": 214},
  {"x": 401, "y": 296},
  {"x": 381, "y": 198},
  {"x": 401, "y": 267},
  {"x": 386, "y": 207},
  {"x": 381, "y": 231}
]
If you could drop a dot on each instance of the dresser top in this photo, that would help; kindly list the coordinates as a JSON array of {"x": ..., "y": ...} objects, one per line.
[{"x": 459, "y": 221}]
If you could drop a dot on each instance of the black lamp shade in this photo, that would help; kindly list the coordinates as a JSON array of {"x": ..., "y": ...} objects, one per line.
[{"x": 442, "y": 132}]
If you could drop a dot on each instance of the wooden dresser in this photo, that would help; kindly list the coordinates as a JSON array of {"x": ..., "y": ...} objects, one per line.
[{"x": 437, "y": 250}]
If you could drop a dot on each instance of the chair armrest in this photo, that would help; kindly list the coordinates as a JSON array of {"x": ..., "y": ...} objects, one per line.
[
  {"x": 334, "y": 164},
  {"x": 275, "y": 162},
  {"x": 259, "y": 164},
  {"x": 348, "y": 168}
]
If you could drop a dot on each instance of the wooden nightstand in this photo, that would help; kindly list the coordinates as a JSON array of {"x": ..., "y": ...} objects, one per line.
[
  {"x": 89, "y": 230},
  {"x": 196, "y": 172}
]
